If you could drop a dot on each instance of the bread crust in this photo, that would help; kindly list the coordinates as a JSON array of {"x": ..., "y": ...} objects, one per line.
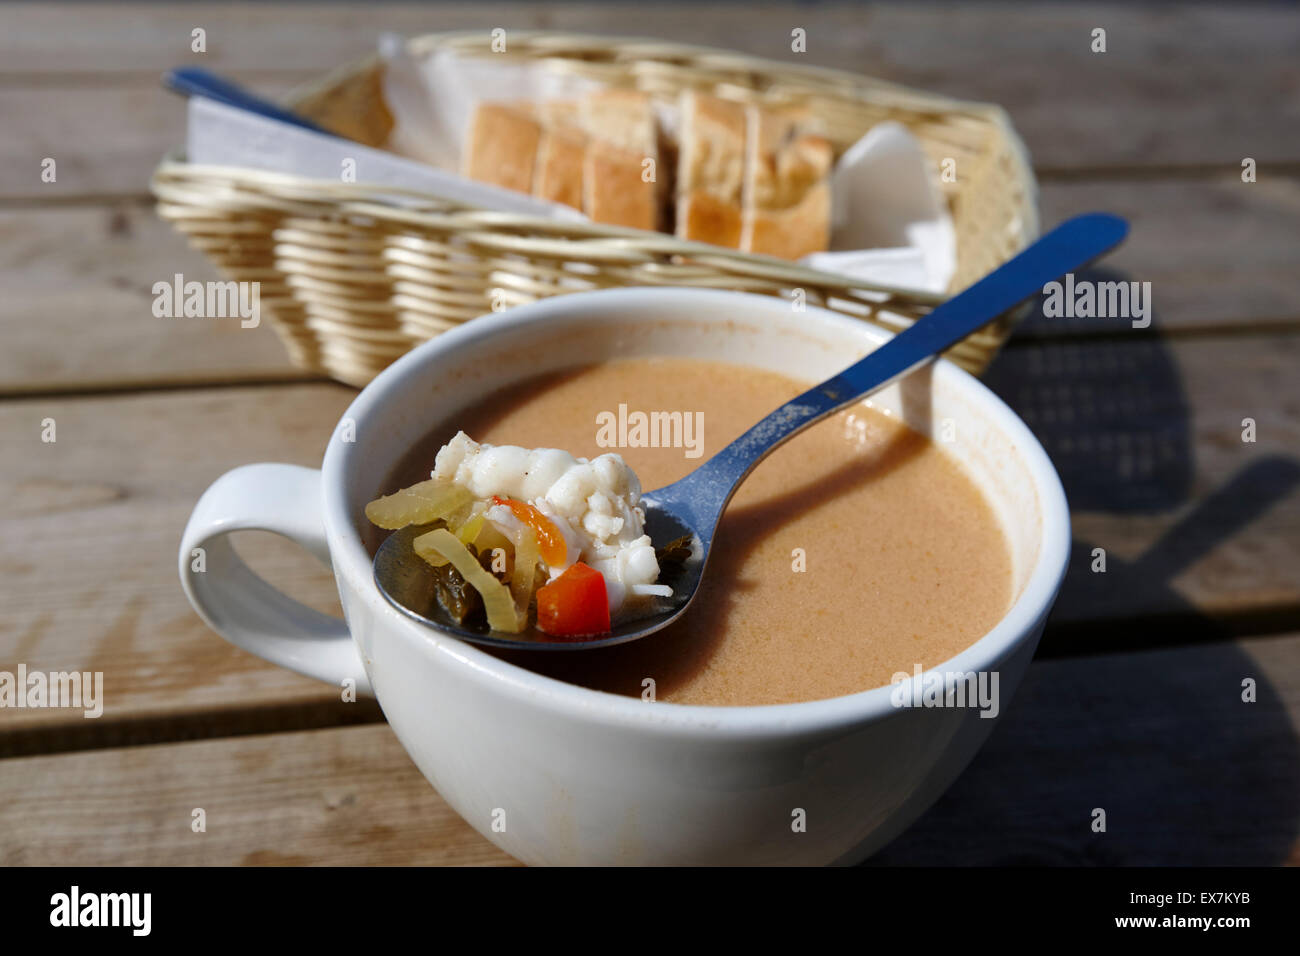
[
  {"x": 502, "y": 145},
  {"x": 703, "y": 217},
  {"x": 787, "y": 193},
  {"x": 560, "y": 175},
  {"x": 710, "y": 169},
  {"x": 747, "y": 177},
  {"x": 615, "y": 191},
  {"x": 793, "y": 232}
]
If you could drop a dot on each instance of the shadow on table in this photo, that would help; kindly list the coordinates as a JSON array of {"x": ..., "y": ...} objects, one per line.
[
  {"x": 1110, "y": 409},
  {"x": 1109, "y": 405},
  {"x": 1160, "y": 739},
  {"x": 1186, "y": 772}
]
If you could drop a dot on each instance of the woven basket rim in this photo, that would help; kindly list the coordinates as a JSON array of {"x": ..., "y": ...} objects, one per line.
[
  {"x": 643, "y": 47},
  {"x": 369, "y": 202}
]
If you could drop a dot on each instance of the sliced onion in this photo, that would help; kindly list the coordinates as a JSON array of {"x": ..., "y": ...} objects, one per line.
[
  {"x": 421, "y": 503},
  {"x": 490, "y": 537},
  {"x": 497, "y": 600},
  {"x": 527, "y": 553},
  {"x": 470, "y": 529}
]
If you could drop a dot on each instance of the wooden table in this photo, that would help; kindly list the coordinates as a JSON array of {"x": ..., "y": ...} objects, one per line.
[{"x": 1134, "y": 704}]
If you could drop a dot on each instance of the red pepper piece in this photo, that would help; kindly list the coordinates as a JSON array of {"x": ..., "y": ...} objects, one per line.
[{"x": 575, "y": 604}]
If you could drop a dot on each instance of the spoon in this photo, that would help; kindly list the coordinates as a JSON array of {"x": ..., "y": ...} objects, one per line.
[{"x": 693, "y": 505}]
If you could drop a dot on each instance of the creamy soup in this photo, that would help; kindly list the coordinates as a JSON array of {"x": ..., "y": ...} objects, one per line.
[{"x": 855, "y": 551}]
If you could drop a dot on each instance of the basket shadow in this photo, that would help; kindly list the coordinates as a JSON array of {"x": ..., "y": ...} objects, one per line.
[
  {"x": 1157, "y": 736},
  {"x": 1110, "y": 410}
]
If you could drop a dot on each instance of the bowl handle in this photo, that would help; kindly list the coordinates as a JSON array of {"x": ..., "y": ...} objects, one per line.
[{"x": 242, "y": 607}]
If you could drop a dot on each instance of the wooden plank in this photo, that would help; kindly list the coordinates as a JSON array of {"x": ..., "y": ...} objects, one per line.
[
  {"x": 104, "y": 140},
  {"x": 78, "y": 309},
  {"x": 88, "y": 543},
  {"x": 1218, "y": 253},
  {"x": 1187, "y": 773},
  {"x": 1078, "y": 110},
  {"x": 337, "y": 797},
  {"x": 1168, "y": 90},
  {"x": 89, "y": 551},
  {"x": 78, "y": 282},
  {"x": 291, "y": 38}
]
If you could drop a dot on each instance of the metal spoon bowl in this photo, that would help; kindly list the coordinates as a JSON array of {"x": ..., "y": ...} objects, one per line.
[
  {"x": 694, "y": 505},
  {"x": 407, "y": 581}
]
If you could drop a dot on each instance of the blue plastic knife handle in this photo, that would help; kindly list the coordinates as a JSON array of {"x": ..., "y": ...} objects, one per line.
[{"x": 193, "y": 81}]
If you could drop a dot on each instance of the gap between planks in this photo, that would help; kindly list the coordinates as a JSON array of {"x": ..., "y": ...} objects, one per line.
[
  {"x": 229, "y": 380},
  {"x": 215, "y": 382},
  {"x": 1060, "y": 643}
]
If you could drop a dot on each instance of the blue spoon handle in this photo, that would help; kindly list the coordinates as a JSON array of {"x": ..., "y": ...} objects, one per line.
[
  {"x": 193, "y": 81},
  {"x": 1071, "y": 245}
]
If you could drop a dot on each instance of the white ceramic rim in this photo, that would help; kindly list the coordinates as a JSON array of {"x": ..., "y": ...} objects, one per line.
[{"x": 352, "y": 562}]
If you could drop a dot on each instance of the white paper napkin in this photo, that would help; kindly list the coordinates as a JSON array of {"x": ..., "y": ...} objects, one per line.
[
  {"x": 222, "y": 135},
  {"x": 890, "y": 223}
]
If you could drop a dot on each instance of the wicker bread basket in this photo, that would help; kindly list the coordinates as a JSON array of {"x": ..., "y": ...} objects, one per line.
[{"x": 351, "y": 279}]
